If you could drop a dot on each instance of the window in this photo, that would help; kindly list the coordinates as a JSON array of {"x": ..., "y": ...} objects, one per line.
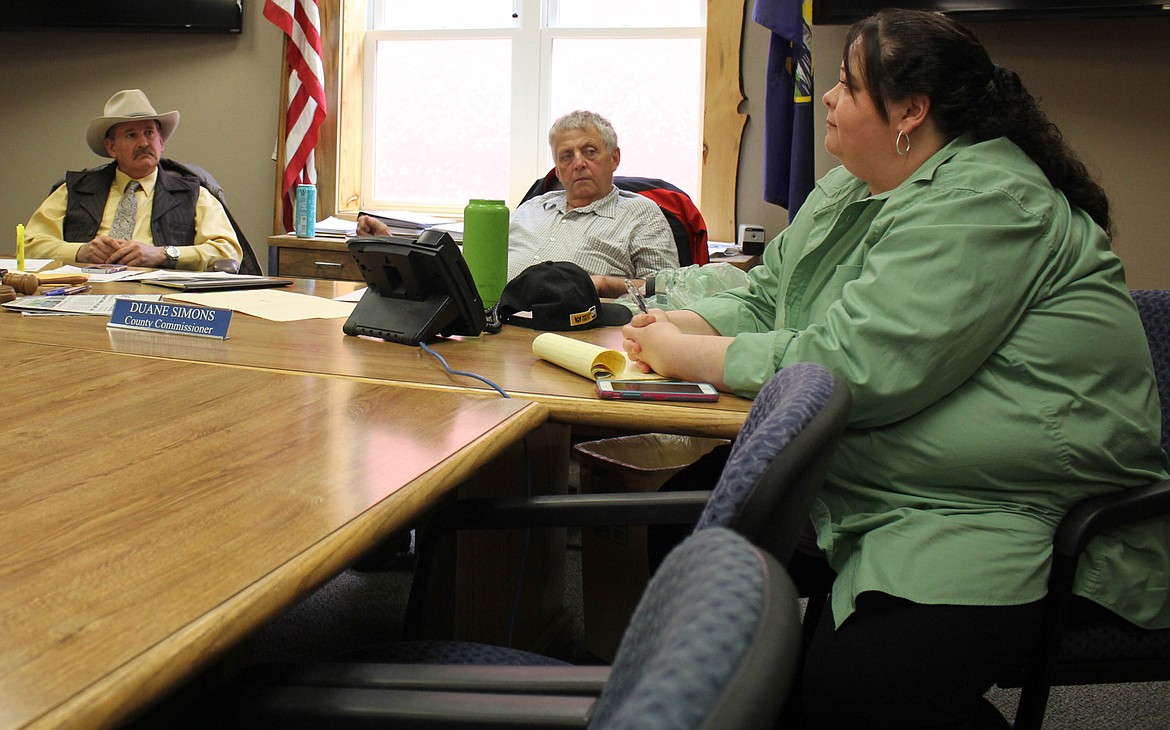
[{"x": 459, "y": 95}]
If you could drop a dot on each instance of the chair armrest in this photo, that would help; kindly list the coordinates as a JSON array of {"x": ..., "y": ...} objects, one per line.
[
  {"x": 1094, "y": 515},
  {"x": 1080, "y": 524},
  {"x": 556, "y": 680},
  {"x": 228, "y": 266},
  {"x": 1090, "y": 517},
  {"x": 295, "y": 706},
  {"x": 579, "y": 510}
]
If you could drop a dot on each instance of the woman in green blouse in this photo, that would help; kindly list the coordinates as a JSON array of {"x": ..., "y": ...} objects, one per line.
[{"x": 956, "y": 272}]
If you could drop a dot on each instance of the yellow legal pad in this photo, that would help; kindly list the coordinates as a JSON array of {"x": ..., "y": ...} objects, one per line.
[{"x": 588, "y": 360}]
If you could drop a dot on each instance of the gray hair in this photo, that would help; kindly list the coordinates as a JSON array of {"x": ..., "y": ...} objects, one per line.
[{"x": 582, "y": 119}]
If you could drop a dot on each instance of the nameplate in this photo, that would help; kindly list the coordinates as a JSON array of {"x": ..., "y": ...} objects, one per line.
[{"x": 176, "y": 319}]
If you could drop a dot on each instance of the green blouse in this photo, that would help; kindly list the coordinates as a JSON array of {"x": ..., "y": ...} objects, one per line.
[{"x": 999, "y": 373}]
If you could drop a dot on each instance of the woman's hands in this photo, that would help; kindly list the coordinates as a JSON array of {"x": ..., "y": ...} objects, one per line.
[
  {"x": 679, "y": 345},
  {"x": 647, "y": 339}
]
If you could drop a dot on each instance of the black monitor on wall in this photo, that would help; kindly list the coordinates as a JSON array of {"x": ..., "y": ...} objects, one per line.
[
  {"x": 837, "y": 12},
  {"x": 166, "y": 16}
]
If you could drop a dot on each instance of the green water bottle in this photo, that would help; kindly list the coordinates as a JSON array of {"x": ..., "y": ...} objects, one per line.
[{"x": 485, "y": 247}]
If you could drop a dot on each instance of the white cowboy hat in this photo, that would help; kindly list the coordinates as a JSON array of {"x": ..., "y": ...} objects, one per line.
[{"x": 128, "y": 105}]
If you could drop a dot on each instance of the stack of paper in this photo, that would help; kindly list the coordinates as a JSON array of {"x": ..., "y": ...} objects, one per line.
[
  {"x": 407, "y": 222},
  {"x": 334, "y": 226},
  {"x": 77, "y": 304},
  {"x": 406, "y": 218}
]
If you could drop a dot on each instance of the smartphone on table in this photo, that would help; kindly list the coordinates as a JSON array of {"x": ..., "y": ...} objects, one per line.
[{"x": 656, "y": 390}]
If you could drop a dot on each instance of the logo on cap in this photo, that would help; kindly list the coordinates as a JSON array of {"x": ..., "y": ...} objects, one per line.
[{"x": 580, "y": 318}]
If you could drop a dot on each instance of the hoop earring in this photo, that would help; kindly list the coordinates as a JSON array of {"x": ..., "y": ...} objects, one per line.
[{"x": 898, "y": 144}]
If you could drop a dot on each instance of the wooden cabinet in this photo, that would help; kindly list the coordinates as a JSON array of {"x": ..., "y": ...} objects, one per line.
[{"x": 311, "y": 258}]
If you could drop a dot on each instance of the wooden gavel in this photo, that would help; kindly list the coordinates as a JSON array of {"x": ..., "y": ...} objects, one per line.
[{"x": 25, "y": 283}]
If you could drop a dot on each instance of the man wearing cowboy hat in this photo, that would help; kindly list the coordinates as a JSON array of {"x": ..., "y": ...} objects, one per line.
[{"x": 127, "y": 212}]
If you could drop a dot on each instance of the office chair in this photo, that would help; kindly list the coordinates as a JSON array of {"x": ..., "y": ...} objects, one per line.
[
  {"x": 248, "y": 264},
  {"x": 712, "y": 644},
  {"x": 765, "y": 492},
  {"x": 1111, "y": 650},
  {"x": 682, "y": 215}
]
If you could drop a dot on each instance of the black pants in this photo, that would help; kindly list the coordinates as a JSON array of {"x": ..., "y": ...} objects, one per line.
[
  {"x": 703, "y": 474},
  {"x": 893, "y": 663},
  {"x": 899, "y": 664}
]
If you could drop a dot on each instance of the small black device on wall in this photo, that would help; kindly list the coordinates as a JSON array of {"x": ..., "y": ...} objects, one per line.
[
  {"x": 418, "y": 290},
  {"x": 166, "y": 16}
]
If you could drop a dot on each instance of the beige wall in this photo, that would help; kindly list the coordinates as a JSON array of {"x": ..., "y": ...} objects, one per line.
[
  {"x": 226, "y": 87},
  {"x": 1109, "y": 98},
  {"x": 1106, "y": 84}
]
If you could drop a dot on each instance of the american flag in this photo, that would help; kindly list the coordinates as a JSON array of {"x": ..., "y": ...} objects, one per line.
[{"x": 301, "y": 22}]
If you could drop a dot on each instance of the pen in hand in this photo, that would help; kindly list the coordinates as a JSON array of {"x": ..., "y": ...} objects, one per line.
[{"x": 637, "y": 296}]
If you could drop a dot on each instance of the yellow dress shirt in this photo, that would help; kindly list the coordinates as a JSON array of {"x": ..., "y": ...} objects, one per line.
[{"x": 214, "y": 236}]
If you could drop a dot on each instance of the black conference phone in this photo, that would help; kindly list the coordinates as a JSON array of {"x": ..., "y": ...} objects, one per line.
[{"x": 418, "y": 290}]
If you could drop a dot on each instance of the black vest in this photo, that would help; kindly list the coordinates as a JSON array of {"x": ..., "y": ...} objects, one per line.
[{"x": 172, "y": 221}]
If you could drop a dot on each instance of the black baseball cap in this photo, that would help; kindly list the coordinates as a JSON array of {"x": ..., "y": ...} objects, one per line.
[{"x": 561, "y": 297}]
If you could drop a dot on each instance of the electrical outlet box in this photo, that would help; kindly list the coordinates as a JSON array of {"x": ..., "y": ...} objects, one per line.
[{"x": 750, "y": 239}]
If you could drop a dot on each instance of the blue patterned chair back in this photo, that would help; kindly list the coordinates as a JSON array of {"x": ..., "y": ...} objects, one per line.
[
  {"x": 1154, "y": 307},
  {"x": 712, "y": 644},
  {"x": 779, "y": 459}
]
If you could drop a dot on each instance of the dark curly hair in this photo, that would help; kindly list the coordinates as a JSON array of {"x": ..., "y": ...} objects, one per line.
[{"x": 905, "y": 52}]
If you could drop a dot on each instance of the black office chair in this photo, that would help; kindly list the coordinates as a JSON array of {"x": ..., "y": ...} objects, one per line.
[
  {"x": 1111, "y": 650},
  {"x": 713, "y": 644},
  {"x": 249, "y": 264},
  {"x": 765, "y": 492},
  {"x": 682, "y": 215}
]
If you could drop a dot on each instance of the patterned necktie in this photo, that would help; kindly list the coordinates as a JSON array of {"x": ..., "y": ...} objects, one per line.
[{"x": 123, "y": 227}]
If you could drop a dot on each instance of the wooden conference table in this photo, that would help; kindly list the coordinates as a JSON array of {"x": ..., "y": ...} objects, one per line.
[
  {"x": 319, "y": 347},
  {"x": 143, "y": 530},
  {"x": 196, "y": 564}
]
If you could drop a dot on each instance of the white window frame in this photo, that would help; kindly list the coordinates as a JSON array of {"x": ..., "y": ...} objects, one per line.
[
  {"x": 339, "y": 149},
  {"x": 530, "y": 113}
]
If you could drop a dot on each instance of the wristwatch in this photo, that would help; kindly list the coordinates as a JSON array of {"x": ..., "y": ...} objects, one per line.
[{"x": 172, "y": 254}]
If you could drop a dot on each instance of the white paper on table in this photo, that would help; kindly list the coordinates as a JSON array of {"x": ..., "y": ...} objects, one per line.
[
  {"x": 353, "y": 296},
  {"x": 271, "y": 304},
  {"x": 334, "y": 226},
  {"x": 30, "y": 265},
  {"x": 74, "y": 304},
  {"x": 96, "y": 278}
]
